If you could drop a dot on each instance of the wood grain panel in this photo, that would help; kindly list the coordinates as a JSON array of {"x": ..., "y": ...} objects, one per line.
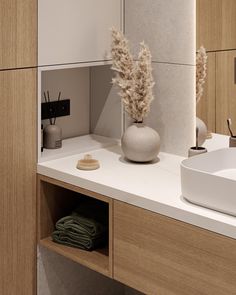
[
  {"x": 206, "y": 108},
  {"x": 216, "y": 24},
  {"x": 225, "y": 90},
  {"x": 159, "y": 255},
  {"x": 209, "y": 24},
  {"x": 74, "y": 188},
  {"x": 96, "y": 260},
  {"x": 18, "y": 182},
  {"x": 18, "y": 34}
]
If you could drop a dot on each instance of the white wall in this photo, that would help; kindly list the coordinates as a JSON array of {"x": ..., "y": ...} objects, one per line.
[
  {"x": 105, "y": 104},
  {"x": 75, "y": 85}
]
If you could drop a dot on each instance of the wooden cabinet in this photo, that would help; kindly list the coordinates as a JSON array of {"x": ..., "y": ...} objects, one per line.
[
  {"x": 159, "y": 255},
  {"x": 18, "y": 182},
  {"x": 18, "y": 39},
  {"x": 216, "y": 24},
  {"x": 225, "y": 90},
  {"x": 206, "y": 108},
  {"x": 18, "y": 88},
  {"x": 149, "y": 252},
  {"x": 72, "y": 32}
]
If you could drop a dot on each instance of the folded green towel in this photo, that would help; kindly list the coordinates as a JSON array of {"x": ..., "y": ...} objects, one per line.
[
  {"x": 85, "y": 228},
  {"x": 84, "y": 242}
]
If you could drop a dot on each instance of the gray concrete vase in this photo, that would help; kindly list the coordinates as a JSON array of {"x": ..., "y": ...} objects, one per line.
[{"x": 140, "y": 143}]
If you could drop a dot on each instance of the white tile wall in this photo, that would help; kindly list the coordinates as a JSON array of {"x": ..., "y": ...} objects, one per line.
[
  {"x": 105, "y": 109},
  {"x": 167, "y": 26},
  {"x": 173, "y": 109}
]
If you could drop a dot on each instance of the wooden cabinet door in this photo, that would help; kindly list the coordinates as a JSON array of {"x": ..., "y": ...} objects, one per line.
[
  {"x": 76, "y": 30},
  {"x": 225, "y": 90},
  {"x": 206, "y": 108},
  {"x": 18, "y": 182},
  {"x": 216, "y": 24},
  {"x": 159, "y": 255},
  {"x": 18, "y": 34}
]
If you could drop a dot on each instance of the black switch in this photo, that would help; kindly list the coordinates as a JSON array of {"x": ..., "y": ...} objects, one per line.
[{"x": 55, "y": 109}]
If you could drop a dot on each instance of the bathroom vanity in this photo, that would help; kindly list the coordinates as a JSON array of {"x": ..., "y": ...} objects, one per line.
[{"x": 158, "y": 242}]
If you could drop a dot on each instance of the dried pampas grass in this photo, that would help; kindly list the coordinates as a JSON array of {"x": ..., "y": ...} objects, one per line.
[
  {"x": 201, "y": 72},
  {"x": 133, "y": 77}
]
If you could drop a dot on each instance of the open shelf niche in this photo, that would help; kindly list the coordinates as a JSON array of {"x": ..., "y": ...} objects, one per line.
[
  {"x": 95, "y": 119},
  {"x": 56, "y": 200}
]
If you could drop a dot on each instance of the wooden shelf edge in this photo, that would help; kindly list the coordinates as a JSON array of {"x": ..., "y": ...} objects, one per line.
[
  {"x": 95, "y": 260},
  {"x": 74, "y": 188}
]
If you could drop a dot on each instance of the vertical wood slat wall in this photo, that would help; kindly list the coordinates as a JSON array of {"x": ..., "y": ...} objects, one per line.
[
  {"x": 18, "y": 36},
  {"x": 216, "y": 31},
  {"x": 216, "y": 24},
  {"x": 18, "y": 88},
  {"x": 225, "y": 90}
]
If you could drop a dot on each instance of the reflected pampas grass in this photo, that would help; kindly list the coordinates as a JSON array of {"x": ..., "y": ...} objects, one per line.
[{"x": 201, "y": 72}]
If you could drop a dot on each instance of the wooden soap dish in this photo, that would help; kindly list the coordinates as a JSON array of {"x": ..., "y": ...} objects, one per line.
[{"x": 88, "y": 163}]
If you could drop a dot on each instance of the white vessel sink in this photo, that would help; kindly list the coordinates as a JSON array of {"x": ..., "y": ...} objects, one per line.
[{"x": 209, "y": 180}]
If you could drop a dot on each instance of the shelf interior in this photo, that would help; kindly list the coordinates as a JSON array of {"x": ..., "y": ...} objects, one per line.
[
  {"x": 57, "y": 200},
  {"x": 97, "y": 260},
  {"x": 96, "y": 114}
]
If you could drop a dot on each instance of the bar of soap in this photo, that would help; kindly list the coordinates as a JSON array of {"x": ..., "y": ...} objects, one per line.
[{"x": 88, "y": 163}]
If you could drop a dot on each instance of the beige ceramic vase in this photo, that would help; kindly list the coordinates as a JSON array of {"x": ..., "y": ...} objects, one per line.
[
  {"x": 140, "y": 143},
  {"x": 202, "y": 135}
]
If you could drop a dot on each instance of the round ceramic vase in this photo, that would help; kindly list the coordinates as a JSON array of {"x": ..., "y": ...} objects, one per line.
[
  {"x": 202, "y": 131},
  {"x": 140, "y": 143}
]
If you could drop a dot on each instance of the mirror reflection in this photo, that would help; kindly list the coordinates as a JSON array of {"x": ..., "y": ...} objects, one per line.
[{"x": 216, "y": 32}]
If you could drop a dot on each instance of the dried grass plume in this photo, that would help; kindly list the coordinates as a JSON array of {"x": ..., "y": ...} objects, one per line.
[
  {"x": 201, "y": 72},
  {"x": 133, "y": 77}
]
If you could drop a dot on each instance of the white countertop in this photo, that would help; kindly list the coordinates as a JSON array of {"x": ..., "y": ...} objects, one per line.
[
  {"x": 218, "y": 141},
  {"x": 77, "y": 145},
  {"x": 155, "y": 186}
]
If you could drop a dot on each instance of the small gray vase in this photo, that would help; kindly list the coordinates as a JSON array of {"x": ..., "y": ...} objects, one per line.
[
  {"x": 140, "y": 143},
  {"x": 202, "y": 135},
  {"x": 52, "y": 137}
]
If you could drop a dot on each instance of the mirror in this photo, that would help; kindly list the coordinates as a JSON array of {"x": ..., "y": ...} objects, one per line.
[{"x": 216, "y": 31}]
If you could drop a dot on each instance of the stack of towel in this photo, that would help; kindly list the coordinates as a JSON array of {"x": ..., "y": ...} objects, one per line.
[{"x": 85, "y": 228}]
